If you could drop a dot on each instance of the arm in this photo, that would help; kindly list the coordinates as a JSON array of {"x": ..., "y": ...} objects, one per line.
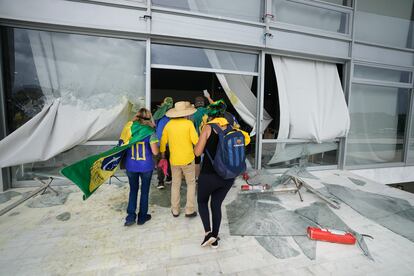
[
  {"x": 208, "y": 97},
  {"x": 199, "y": 147},
  {"x": 154, "y": 148},
  {"x": 163, "y": 143},
  {"x": 193, "y": 134},
  {"x": 154, "y": 144}
]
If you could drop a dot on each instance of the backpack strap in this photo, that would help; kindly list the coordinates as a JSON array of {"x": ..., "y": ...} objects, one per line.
[
  {"x": 220, "y": 134},
  {"x": 221, "y": 131}
]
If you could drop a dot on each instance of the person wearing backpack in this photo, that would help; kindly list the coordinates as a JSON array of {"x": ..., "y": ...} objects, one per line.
[{"x": 224, "y": 160}]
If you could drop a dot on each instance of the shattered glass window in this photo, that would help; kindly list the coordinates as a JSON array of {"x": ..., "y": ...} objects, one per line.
[{"x": 91, "y": 71}]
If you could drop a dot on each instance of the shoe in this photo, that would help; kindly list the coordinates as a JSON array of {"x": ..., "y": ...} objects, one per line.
[
  {"x": 214, "y": 244},
  {"x": 147, "y": 218},
  {"x": 160, "y": 186},
  {"x": 175, "y": 215},
  {"x": 208, "y": 239},
  {"x": 194, "y": 214},
  {"x": 129, "y": 223},
  {"x": 168, "y": 179}
]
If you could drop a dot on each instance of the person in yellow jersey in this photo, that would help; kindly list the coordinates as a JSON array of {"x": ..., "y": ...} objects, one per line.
[{"x": 181, "y": 136}]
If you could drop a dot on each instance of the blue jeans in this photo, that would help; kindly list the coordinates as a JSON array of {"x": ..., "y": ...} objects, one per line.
[{"x": 133, "y": 178}]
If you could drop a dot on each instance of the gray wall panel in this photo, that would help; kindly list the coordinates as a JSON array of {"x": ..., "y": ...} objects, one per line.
[
  {"x": 308, "y": 44},
  {"x": 70, "y": 13},
  {"x": 383, "y": 55},
  {"x": 192, "y": 27}
]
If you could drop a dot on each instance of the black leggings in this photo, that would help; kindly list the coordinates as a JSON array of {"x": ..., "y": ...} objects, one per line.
[{"x": 212, "y": 185}]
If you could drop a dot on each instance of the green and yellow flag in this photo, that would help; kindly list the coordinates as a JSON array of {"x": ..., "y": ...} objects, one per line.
[{"x": 90, "y": 173}]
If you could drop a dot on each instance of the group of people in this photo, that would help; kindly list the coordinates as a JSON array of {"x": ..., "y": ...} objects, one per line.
[{"x": 181, "y": 134}]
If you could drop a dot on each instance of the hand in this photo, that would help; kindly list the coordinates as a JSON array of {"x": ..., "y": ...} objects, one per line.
[{"x": 206, "y": 94}]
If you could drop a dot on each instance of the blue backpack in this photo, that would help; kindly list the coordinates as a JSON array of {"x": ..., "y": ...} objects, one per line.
[{"x": 230, "y": 159}]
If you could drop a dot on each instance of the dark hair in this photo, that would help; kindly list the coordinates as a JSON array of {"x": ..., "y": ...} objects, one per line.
[
  {"x": 143, "y": 116},
  {"x": 199, "y": 101}
]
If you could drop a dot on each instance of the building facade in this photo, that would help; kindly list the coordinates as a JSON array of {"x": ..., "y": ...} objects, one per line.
[{"x": 96, "y": 52}]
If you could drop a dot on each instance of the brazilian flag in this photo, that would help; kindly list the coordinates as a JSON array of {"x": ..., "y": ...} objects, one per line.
[{"x": 90, "y": 173}]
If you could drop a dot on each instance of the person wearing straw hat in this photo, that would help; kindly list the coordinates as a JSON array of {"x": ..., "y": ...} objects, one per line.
[{"x": 180, "y": 134}]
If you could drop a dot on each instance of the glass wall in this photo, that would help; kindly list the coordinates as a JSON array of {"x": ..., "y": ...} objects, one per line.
[
  {"x": 79, "y": 74},
  {"x": 378, "y": 119},
  {"x": 382, "y": 74},
  {"x": 203, "y": 58},
  {"x": 251, "y": 10},
  {"x": 385, "y": 22},
  {"x": 311, "y": 15}
]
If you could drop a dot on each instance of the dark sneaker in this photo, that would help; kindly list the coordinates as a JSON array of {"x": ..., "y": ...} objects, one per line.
[
  {"x": 147, "y": 218},
  {"x": 194, "y": 214},
  {"x": 175, "y": 215},
  {"x": 168, "y": 179},
  {"x": 208, "y": 240},
  {"x": 215, "y": 244},
  {"x": 160, "y": 186},
  {"x": 129, "y": 223}
]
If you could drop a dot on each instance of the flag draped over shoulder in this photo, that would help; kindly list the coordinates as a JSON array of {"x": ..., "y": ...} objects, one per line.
[{"x": 90, "y": 173}]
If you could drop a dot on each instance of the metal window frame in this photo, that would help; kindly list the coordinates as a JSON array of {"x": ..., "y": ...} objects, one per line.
[
  {"x": 203, "y": 69},
  {"x": 73, "y": 30},
  {"x": 295, "y": 141},
  {"x": 5, "y": 176},
  {"x": 259, "y": 112},
  {"x": 382, "y": 83},
  {"x": 409, "y": 129},
  {"x": 115, "y": 3},
  {"x": 333, "y": 4}
]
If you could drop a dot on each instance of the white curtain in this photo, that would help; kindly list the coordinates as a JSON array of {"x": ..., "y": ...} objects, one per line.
[
  {"x": 238, "y": 90},
  {"x": 91, "y": 85},
  {"x": 57, "y": 128},
  {"x": 312, "y": 103}
]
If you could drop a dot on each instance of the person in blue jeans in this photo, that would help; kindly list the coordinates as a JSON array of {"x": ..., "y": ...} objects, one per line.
[{"x": 139, "y": 164}]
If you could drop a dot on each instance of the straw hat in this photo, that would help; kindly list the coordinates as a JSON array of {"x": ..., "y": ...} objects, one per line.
[{"x": 181, "y": 109}]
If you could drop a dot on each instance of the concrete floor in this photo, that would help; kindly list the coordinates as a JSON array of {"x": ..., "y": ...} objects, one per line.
[{"x": 88, "y": 238}]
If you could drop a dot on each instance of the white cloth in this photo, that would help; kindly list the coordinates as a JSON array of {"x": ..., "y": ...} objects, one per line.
[
  {"x": 312, "y": 102},
  {"x": 59, "y": 127},
  {"x": 312, "y": 106}
]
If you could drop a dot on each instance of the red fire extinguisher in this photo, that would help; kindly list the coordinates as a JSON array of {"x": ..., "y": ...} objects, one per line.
[{"x": 330, "y": 235}]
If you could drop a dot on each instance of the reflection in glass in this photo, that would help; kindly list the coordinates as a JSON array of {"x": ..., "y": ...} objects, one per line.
[
  {"x": 381, "y": 74},
  {"x": 284, "y": 155},
  {"x": 86, "y": 71},
  {"x": 250, "y": 10},
  {"x": 203, "y": 58},
  {"x": 378, "y": 116},
  {"x": 310, "y": 16},
  {"x": 385, "y": 22}
]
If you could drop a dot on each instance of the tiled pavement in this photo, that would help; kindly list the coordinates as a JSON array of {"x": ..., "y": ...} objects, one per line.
[{"x": 95, "y": 242}]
